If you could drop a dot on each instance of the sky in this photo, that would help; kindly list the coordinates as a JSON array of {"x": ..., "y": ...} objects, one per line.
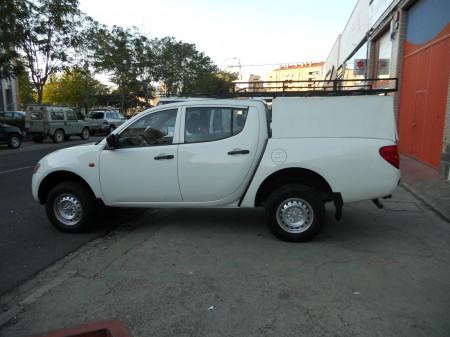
[{"x": 259, "y": 35}]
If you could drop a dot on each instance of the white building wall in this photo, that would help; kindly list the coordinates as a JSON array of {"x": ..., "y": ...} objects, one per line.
[
  {"x": 355, "y": 30},
  {"x": 333, "y": 58}
]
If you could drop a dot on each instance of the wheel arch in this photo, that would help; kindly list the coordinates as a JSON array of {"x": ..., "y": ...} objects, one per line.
[
  {"x": 292, "y": 175},
  {"x": 57, "y": 177}
]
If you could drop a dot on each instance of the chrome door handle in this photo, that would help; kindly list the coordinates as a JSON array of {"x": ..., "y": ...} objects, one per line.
[
  {"x": 164, "y": 156},
  {"x": 238, "y": 151}
]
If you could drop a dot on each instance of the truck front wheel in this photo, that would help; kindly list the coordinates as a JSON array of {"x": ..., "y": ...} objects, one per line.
[
  {"x": 295, "y": 213},
  {"x": 70, "y": 207}
]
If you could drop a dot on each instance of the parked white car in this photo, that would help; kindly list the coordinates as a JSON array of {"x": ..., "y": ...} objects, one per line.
[{"x": 227, "y": 153}]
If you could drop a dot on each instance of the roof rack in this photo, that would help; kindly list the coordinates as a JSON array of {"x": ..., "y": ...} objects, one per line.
[{"x": 337, "y": 87}]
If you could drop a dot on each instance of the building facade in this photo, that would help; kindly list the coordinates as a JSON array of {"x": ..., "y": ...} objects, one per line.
[
  {"x": 8, "y": 95},
  {"x": 410, "y": 40},
  {"x": 308, "y": 71}
]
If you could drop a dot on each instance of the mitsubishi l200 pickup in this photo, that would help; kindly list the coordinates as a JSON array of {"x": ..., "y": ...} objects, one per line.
[{"x": 291, "y": 160}]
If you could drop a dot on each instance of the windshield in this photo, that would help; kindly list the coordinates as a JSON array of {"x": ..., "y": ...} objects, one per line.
[{"x": 95, "y": 115}]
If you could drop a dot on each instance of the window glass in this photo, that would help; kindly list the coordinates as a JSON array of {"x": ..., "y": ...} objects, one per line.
[
  {"x": 95, "y": 115},
  {"x": 36, "y": 115},
  {"x": 208, "y": 124},
  {"x": 71, "y": 116},
  {"x": 57, "y": 115},
  {"x": 8, "y": 114},
  {"x": 154, "y": 129},
  {"x": 110, "y": 115}
]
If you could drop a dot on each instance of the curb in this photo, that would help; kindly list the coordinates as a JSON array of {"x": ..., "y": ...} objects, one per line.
[{"x": 426, "y": 201}]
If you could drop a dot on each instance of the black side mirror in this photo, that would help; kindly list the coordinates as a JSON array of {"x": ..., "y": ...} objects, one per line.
[{"x": 111, "y": 140}]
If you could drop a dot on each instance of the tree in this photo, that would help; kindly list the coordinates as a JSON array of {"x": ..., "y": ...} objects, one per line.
[
  {"x": 114, "y": 54},
  {"x": 74, "y": 87},
  {"x": 26, "y": 88},
  {"x": 12, "y": 14},
  {"x": 47, "y": 37},
  {"x": 180, "y": 65}
]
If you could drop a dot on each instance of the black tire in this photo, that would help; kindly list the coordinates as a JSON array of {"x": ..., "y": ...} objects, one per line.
[
  {"x": 14, "y": 141},
  {"x": 59, "y": 136},
  {"x": 303, "y": 199},
  {"x": 85, "y": 134},
  {"x": 86, "y": 201},
  {"x": 38, "y": 139}
]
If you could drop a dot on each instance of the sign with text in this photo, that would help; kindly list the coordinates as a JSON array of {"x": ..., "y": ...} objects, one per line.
[{"x": 360, "y": 67}]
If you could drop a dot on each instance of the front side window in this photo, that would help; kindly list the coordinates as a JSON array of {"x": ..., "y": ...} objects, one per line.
[
  {"x": 205, "y": 124},
  {"x": 71, "y": 116},
  {"x": 110, "y": 115},
  {"x": 154, "y": 129},
  {"x": 57, "y": 115}
]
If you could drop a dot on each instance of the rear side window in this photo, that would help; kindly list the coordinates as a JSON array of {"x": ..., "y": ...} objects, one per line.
[
  {"x": 57, "y": 115},
  {"x": 35, "y": 115},
  {"x": 205, "y": 124}
]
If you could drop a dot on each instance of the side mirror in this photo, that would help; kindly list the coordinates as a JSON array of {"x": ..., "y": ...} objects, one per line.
[{"x": 111, "y": 140}]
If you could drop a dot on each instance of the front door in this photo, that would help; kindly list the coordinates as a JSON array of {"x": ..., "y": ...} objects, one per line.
[
  {"x": 144, "y": 167},
  {"x": 218, "y": 150},
  {"x": 72, "y": 125}
]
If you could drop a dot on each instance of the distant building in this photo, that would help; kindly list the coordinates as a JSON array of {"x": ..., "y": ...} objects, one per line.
[
  {"x": 309, "y": 71},
  {"x": 408, "y": 39},
  {"x": 255, "y": 83},
  {"x": 8, "y": 95}
]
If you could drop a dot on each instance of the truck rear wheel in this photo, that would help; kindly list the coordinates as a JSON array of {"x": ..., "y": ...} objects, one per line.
[
  {"x": 70, "y": 207},
  {"x": 295, "y": 213}
]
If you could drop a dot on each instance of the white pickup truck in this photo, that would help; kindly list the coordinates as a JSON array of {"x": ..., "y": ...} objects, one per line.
[{"x": 231, "y": 153}]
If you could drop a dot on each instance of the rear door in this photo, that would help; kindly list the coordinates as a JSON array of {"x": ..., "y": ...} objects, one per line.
[{"x": 217, "y": 150}]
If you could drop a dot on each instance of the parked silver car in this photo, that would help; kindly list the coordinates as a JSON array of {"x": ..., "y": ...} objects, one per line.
[{"x": 104, "y": 120}]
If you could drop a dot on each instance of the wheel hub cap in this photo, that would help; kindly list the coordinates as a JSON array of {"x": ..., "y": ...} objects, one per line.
[
  {"x": 295, "y": 215},
  {"x": 67, "y": 209}
]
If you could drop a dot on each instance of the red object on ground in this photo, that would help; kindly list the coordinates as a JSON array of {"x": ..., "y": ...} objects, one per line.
[{"x": 97, "y": 329}]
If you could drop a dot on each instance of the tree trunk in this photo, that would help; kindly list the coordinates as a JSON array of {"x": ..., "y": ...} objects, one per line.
[{"x": 40, "y": 91}]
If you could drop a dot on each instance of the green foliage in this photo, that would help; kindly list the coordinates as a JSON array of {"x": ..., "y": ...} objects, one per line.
[
  {"x": 74, "y": 87},
  {"x": 45, "y": 34},
  {"x": 12, "y": 30},
  {"x": 26, "y": 89}
]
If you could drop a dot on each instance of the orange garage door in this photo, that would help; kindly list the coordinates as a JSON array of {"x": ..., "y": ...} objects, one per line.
[{"x": 424, "y": 85}]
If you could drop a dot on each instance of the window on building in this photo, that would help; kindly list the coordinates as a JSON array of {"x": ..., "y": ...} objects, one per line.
[
  {"x": 356, "y": 66},
  {"x": 382, "y": 56}
]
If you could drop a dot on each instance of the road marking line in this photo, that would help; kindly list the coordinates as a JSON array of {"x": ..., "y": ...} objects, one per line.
[{"x": 17, "y": 169}]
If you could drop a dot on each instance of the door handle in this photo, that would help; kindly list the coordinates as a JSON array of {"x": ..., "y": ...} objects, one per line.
[
  {"x": 164, "y": 156},
  {"x": 238, "y": 151}
]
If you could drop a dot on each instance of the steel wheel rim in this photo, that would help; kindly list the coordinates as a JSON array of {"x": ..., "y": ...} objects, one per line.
[
  {"x": 295, "y": 215},
  {"x": 67, "y": 209},
  {"x": 15, "y": 142},
  {"x": 85, "y": 133},
  {"x": 59, "y": 136}
]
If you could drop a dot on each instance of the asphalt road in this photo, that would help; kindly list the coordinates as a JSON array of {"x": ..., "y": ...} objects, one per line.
[{"x": 28, "y": 242}]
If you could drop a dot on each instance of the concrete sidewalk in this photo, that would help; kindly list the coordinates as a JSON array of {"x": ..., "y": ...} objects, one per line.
[
  {"x": 427, "y": 185},
  {"x": 378, "y": 272}
]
